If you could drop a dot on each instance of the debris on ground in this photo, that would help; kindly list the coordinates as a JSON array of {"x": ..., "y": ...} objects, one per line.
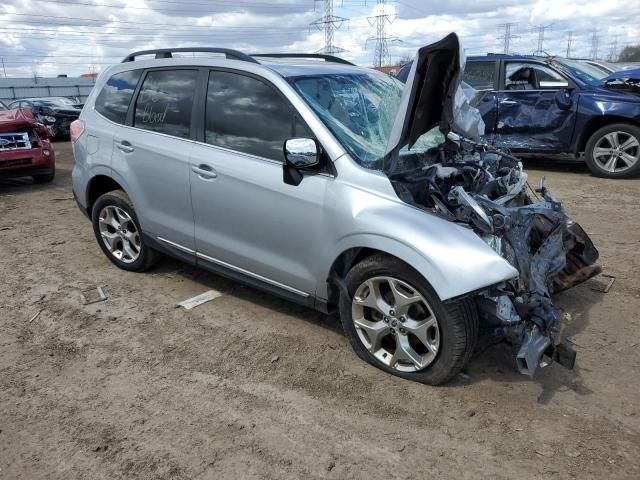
[
  {"x": 93, "y": 295},
  {"x": 275, "y": 358},
  {"x": 199, "y": 299},
  {"x": 2, "y": 229},
  {"x": 600, "y": 286},
  {"x": 35, "y": 316}
]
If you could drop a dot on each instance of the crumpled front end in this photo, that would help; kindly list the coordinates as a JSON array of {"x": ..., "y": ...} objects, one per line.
[{"x": 472, "y": 184}]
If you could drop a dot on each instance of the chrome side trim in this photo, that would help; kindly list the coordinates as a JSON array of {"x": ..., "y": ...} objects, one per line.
[
  {"x": 251, "y": 274},
  {"x": 178, "y": 246}
]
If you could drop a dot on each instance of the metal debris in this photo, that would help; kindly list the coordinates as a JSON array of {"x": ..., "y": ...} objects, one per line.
[
  {"x": 92, "y": 295},
  {"x": 199, "y": 299},
  {"x": 35, "y": 316}
]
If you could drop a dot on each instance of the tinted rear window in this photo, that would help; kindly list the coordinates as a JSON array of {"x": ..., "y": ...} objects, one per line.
[
  {"x": 165, "y": 102},
  {"x": 113, "y": 101},
  {"x": 480, "y": 75}
]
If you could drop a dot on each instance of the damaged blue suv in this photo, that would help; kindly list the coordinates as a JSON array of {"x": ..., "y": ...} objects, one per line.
[{"x": 557, "y": 107}]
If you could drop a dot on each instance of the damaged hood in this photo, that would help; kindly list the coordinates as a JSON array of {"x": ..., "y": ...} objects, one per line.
[
  {"x": 19, "y": 118},
  {"x": 433, "y": 96},
  {"x": 624, "y": 80}
]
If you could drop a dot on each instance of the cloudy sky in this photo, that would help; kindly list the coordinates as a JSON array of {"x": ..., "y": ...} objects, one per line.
[{"x": 51, "y": 37}]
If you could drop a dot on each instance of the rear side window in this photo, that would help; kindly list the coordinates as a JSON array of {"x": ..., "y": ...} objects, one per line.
[
  {"x": 480, "y": 75},
  {"x": 113, "y": 101},
  {"x": 165, "y": 102},
  {"x": 247, "y": 115}
]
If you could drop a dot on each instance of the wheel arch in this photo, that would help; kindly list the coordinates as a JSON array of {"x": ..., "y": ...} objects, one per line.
[
  {"x": 99, "y": 185},
  {"x": 597, "y": 123}
]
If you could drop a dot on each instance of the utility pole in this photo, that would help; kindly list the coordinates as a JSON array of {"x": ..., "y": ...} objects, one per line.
[
  {"x": 3, "y": 68},
  {"x": 329, "y": 23},
  {"x": 541, "y": 29},
  {"x": 594, "y": 45},
  {"x": 507, "y": 36},
  {"x": 380, "y": 21},
  {"x": 613, "y": 53},
  {"x": 569, "y": 40}
]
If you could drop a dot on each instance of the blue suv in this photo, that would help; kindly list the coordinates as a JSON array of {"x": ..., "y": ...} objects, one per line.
[{"x": 546, "y": 106}]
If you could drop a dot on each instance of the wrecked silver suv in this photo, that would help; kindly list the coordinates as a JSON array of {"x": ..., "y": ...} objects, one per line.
[{"x": 336, "y": 187}]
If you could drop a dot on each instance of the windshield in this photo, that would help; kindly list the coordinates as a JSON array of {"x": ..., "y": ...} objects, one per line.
[
  {"x": 358, "y": 108},
  {"x": 583, "y": 71}
]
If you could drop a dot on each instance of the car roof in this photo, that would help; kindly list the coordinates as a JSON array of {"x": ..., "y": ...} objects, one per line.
[
  {"x": 299, "y": 68},
  {"x": 503, "y": 56}
]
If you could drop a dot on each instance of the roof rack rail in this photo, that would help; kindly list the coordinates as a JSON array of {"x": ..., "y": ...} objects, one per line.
[
  {"x": 168, "y": 53},
  {"x": 328, "y": 58}
]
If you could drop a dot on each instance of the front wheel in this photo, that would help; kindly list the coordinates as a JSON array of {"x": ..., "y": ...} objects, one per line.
[
  {"x": 42, "y": 178},
  {"x": 396, "y": 322},
  {"x": 614, "y": 151}
]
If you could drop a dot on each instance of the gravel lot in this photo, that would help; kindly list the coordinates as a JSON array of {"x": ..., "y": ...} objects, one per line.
[{"x": 135, "y": 388}]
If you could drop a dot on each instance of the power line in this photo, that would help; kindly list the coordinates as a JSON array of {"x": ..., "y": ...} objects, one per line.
[
  {"x": 507, "y": 36},
  {"x": 594, "y": 44},
  {"x": 329, "y": 23},
  {"x": 380, "y": 21},
  {"x": 541, "y": 29}
]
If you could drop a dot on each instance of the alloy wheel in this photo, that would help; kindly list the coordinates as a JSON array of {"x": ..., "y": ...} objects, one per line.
[
  {"x": 395, "y": 324},
  {"x": 119, "y": 234},
  {"x": 616, "y": 151}
]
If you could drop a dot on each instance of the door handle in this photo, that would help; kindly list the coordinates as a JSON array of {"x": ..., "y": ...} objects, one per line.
[
  {"x": 204, "y": 172},
  {"x": 506, "y": 101},
  {"x": 125, "y": 147}
]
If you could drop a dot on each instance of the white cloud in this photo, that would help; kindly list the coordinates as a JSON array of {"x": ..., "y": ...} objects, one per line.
[{"x": 73, "y": 36}]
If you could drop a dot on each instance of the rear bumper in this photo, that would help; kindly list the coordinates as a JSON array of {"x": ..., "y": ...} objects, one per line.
[{"x": 34, "y": 161}]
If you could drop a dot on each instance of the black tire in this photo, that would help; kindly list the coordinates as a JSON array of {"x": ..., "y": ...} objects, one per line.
[
  {"x": 44, "y": 177},
  {"x": 147, "y": 257},
  {"x": 458, "y": 320},
  {"x": 628, "y": 130}
]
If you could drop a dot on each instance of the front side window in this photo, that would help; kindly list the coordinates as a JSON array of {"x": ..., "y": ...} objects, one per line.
[
  {"x": 480, "y": 75},
  {"x": 532, "y": 76},
  {"x": 247, "y": 115},
  {"x": 165, "y": 102},
  {"x": 113, "y": 101}
]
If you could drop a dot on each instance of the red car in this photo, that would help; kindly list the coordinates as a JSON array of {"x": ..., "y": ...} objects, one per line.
[{"x": 25, "y": 146}]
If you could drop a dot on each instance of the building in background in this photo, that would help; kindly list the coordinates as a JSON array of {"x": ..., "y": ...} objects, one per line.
[{"x": 74, "y": 87}]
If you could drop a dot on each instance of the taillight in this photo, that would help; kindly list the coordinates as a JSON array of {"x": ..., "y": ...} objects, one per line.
[{"x": 75, "y": 129}]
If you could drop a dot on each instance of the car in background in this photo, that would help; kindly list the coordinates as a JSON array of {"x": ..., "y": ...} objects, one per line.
[
  {"x": 607, "y": 67},
  {"x": 557, "y": 107},
  {"x": 60, "y": 110},
  {"x": 25, "y": 146}
]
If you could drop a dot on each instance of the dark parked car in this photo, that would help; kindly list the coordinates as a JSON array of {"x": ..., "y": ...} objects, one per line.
[
  {"x": 61, "y": 110},
  {"x": 556, "y": 106}
]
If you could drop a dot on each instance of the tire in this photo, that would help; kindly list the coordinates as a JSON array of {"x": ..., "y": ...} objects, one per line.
[
  {"x": 44, "y": 177},
  {"x": 615, "y": 164},
  {"x": 455, "y": 331},
  {"x": 127, "y": 249}
]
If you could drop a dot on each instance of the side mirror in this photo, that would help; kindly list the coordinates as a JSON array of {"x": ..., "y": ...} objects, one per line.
[
  {"x": 299, "y": 154},
  {"x": 563, "y": 99}
]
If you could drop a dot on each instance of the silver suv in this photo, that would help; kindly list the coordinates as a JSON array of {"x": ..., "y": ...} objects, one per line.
[{"x": 337, "y": 187}]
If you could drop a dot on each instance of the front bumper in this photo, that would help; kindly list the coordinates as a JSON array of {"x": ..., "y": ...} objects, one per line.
[{"x": 33, "y": 161}]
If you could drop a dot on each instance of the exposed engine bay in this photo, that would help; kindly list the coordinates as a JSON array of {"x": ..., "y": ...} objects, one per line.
[{"x": 486, "y": 189}]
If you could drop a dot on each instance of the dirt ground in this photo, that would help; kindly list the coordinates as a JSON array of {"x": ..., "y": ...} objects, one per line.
[{"x": 135, "y": 388}]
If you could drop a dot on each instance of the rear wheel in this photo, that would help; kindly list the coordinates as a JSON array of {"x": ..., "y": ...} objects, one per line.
[
  {"x": 396, "y": 322},
  {"x": 117, "y": 230},
  {"x": 614, "y": 151}
]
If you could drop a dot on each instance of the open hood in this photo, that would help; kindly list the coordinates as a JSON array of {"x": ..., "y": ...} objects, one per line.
[
  {"x": 433, "y": 96},
  {"x": 624, "y": 80}
]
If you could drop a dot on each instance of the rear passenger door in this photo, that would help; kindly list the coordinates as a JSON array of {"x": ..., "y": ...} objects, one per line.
[
  {"x": 482, "y": 75},
  {"x": 151, "y": 155},
  {"x": 247, "y": 220}
]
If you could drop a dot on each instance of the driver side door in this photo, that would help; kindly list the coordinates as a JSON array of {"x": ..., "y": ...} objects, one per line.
[
  {"x": 248, "y": 221},
  {"x": 536, "y": 109}
]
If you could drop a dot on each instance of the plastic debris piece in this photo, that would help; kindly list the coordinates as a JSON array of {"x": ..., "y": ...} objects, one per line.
[
  {"x": 199, "y": 299},
  {"x": 35, "y": 316},
  {"x": 599, "y": 287},
  {"x": 92, "y": 295}
]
